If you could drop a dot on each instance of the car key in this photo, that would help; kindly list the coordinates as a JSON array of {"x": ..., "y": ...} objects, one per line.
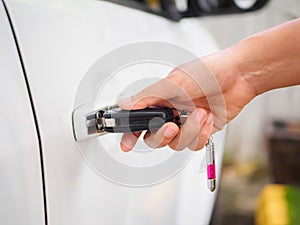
[{"x": 112, "y": 119}]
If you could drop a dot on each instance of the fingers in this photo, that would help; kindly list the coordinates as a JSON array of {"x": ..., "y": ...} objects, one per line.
[
  {"x": 129, "y": 140},
  {"x": 162, "y": 137},
  {"x": 200, "y": 141},
  {"x": 151, "y": 95},
  {"x": 193, "y": 134},
  {"x": 190, "y": 131},
  {"x": 155, "y": 140}
]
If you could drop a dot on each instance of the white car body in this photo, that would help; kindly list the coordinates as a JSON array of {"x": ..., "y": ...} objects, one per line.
[{"x": 44, "y": 179}]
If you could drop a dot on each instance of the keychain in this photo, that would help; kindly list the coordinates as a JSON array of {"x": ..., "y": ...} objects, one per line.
[{"x": 210, "y": 164}]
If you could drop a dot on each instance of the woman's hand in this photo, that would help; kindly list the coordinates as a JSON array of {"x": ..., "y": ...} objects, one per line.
[
  {"x": 211, "y": 89},
  {"x": 215, "y": 88}
]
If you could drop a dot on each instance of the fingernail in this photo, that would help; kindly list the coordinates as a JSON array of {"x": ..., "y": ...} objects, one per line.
[
  {"x": 200, "y": 115},
  {"x": 125, "y": 148},
  {"x": 209, "y": 118},
  {"x": 169, "y": 132}
]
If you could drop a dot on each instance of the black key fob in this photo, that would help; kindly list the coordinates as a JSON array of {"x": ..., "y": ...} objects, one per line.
[{"x": 122, "y": 121}]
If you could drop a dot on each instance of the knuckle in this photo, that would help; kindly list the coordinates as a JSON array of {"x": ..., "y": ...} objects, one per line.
[
  {"x": 175, "y": 75},
  {"x": 174, "y": 71}
]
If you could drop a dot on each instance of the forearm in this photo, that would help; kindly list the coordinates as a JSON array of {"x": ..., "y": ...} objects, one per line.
[{"x": 270, "y": 59}]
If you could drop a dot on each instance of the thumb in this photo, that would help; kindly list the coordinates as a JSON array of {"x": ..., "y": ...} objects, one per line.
[{"x": 151, "y": 95}]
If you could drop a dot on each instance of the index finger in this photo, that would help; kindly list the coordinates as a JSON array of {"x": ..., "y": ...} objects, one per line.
[{"x": 151, "y": 95}]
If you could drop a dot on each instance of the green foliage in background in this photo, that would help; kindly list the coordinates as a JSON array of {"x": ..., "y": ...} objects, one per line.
[{"x": 293, "y": 199}]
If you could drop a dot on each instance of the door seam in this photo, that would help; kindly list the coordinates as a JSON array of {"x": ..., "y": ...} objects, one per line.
[{"x": 33, "y": 112}]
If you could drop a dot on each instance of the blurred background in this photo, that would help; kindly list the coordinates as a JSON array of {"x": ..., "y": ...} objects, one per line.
[{"x": 262, "y": 142}]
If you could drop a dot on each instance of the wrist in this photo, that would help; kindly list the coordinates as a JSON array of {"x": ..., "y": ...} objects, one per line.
[
  {"x": 253, "y": 68},
  {"x": 226, "y": 67}
]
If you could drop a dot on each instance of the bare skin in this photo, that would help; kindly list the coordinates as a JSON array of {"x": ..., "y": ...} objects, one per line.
[{"x": 262, "y": 62}]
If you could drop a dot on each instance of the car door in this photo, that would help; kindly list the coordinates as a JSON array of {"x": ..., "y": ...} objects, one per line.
[
  {"x": 21, "y": 175},
  {"x": 60, "y": 42}
]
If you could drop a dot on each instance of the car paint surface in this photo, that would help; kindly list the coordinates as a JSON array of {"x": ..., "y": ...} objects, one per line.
[{"x": 21, "y": 195}]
